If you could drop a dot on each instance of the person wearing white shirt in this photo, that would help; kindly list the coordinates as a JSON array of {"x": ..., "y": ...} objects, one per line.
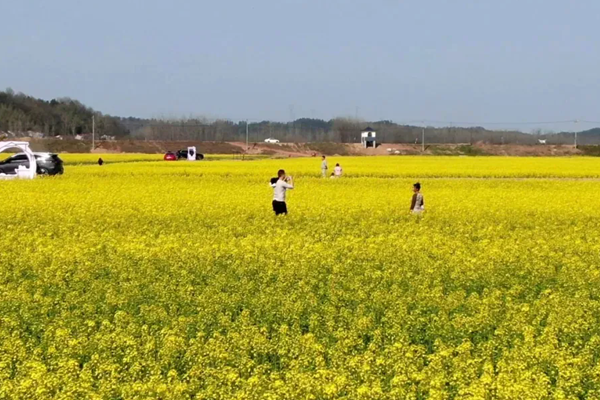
[
  {"x": 324, "y": 167},
  {"x": 337, "y": 171},
  {"x": 417, "y": 205},
  {"x": 280, "y": 187}
]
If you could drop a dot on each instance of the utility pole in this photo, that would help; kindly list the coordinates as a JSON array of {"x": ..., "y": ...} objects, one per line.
[
  {"x": 293, "y": 119},
  {"x": 93, "y": 132},
  {"x": 423, "y": 138},
  {"x": 576, "y": 121},
  {"x": 246, "y": 135}
]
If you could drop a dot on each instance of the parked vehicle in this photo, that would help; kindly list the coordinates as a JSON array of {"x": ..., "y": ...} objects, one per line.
[
  {"x": 170, "y": 156},
  {"x": 271, "y": 140},
  {"x": 47, "y": 163},
  {"x": 184, "y": 154}
]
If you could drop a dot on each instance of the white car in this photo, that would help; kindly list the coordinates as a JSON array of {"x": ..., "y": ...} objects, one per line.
[{"x": 271, "y": 140}]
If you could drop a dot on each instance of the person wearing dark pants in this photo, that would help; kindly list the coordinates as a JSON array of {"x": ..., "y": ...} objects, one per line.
[
  {"x": 280, "y": 187},
  {"x": 279, "y": 207}
]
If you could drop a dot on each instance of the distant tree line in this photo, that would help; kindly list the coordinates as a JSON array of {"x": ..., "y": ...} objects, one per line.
[
  {"x": 341, "y": 130},
  {"x": 22, "y": 114}
]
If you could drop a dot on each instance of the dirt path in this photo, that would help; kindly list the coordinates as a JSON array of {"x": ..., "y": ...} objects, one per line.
[
  {"x": 276, "y": 150},
  {"x": 285, "y": 150}
]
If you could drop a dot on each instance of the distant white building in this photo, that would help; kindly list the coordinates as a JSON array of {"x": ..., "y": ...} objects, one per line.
[{"x": 368, "y": 138}]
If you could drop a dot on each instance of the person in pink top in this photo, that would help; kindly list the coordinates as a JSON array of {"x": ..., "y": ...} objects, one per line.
[{"x": 338, "y": 171}]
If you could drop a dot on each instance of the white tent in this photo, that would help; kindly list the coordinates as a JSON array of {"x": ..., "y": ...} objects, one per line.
[
  {"x": 191, "y": 156},
  {"x": 22, "y": 171}
]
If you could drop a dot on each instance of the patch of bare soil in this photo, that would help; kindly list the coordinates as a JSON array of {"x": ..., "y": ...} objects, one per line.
[
  {"x": 286, "y": 150},
  {"x": 279, "y": 150}
]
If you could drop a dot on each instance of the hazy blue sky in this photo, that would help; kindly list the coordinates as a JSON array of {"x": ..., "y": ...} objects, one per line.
[{"x": 453, "y": 60}]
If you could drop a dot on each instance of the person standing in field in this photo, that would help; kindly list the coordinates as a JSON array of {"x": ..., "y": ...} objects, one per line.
[
  {"x": 338, "y": 171},
  {"x": 417, "y": 205},
  {"x": 280, "y": 187},
  {"x": 324, "y": 167}
]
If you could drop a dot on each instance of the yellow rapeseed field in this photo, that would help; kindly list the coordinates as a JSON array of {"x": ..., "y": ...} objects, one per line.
[
  {"x": 86, "y": 159},
  {"x": 173, "y": 280}
]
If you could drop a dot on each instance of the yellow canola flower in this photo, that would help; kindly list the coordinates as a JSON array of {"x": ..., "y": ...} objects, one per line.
[{"x": 152, "y": 279}]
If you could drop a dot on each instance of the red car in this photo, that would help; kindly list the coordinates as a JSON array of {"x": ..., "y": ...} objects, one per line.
[{"x": 170, "y": 156}]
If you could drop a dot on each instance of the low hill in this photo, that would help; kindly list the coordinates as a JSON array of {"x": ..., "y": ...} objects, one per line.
[{"x": 22, "y": 115}]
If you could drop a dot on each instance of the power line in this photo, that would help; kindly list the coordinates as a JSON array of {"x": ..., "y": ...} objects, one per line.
[
  {"x": 405, "y": 122},
  {"x": 454, "y": 122}
]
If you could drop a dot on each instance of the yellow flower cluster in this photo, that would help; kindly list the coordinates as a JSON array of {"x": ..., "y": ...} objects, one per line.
[
  {"x": 158, "y": 280},
  {"x": 92, "y": 158}
]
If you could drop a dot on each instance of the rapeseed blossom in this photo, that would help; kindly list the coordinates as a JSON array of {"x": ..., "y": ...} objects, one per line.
[{"x": 174, "y": 280}]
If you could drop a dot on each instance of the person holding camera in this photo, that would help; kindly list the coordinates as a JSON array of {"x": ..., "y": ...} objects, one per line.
[{"x": 280, "y": 187}]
